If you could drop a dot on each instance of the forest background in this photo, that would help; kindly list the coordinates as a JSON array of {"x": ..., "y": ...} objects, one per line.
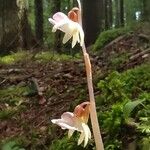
[{"x": 40, "y": 78}]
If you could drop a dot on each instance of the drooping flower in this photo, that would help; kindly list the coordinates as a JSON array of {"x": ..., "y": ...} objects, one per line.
[
  {"x": 69, "y": 25},
  {"x": 76, "y": 121}
]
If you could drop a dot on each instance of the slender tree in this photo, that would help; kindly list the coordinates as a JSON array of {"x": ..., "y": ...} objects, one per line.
[
  {"x": 39, "y": 21},
  {"x": 8, "y": 25},
  {"x": 3, "y": 23},
  {"x": 110, "y": 13},
  {"x": 57, "y": 37},
  {"x": 121, "y": 13},
  {"x": 146, "y": 10},
  {"x": 26, "y": 38},
  {"x": 92, "y": 19},
  {"x": 106, "y": 14},
  {"x": 117, "y": 14}
]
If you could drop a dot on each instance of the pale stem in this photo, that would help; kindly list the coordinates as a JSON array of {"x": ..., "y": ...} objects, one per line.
[{"x": 93, "y": 113}]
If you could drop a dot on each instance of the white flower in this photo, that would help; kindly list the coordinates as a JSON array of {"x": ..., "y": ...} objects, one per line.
[
  {"x": 76, "y": 121},
  {"x": 70, "y": 28}
]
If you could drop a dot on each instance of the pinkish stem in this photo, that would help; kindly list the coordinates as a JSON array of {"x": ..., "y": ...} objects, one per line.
[{"x": 93, "y": 113}]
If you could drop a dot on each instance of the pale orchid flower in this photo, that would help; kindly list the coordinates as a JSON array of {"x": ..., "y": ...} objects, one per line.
[
  {"x": 76, "y": 121},
  {"x": 69, "y": 26}
]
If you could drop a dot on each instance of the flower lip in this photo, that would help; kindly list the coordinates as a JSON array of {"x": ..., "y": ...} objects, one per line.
[
  {"x": 82, "y": 111},
  {"x": 73, "y": 14}
]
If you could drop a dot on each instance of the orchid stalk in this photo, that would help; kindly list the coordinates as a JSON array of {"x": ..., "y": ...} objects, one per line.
[
  {"x": 71, "y": 25},
  {"x": 93, "y": 113}
]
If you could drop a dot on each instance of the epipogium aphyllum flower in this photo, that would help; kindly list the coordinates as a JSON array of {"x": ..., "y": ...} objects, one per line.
[
  {"x": 69, "y": 25},
  {"x": 76, "y": 121}
]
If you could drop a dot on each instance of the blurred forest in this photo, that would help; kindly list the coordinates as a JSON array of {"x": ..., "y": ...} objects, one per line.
[
  {"x": 40, "y": 78},
  {"x": 28, "y": 20}
]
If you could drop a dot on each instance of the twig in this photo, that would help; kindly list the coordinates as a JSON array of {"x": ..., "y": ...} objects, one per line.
[{"x": 3, "y": 81}]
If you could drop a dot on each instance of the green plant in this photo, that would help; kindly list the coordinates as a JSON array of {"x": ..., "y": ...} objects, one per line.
[
  {"x": 112, "y": 88},
  {"x": 65, "y": 144},
  {"x": 124, "y": 100},
  {"x": 129, "y": 107},
  {"x": 111, "y": 122}
]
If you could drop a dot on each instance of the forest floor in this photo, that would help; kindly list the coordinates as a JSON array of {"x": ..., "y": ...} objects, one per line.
[{"x": 34, "y": 88}]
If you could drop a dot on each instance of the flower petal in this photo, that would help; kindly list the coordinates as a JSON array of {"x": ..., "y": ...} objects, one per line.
[
  {"x": 81, "y": 138},
  {"x": 59, "y": 16},
  {"x": 86, "y": 133},
  {"x": 52, "y": 21},
  {"x": 70, "y": 133},
  {"x": 75, "y": 39},
  {"x": 66, "y": 38},
  {"x": 81, "y": 32},
  {"x": 59, "y": 25},
  {"x": 62, "y": 124},
  {"x": 67, "y": 116}
]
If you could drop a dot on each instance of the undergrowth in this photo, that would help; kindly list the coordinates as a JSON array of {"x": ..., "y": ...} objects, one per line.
[
  {"x": 123, "y": 111},
  {"x": 125, "y": 95}
]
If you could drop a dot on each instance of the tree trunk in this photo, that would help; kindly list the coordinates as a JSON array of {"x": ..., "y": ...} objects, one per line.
[
  {"x": 15, "y": 28},
  {"x": 57, "y": 36},
  {"x": 39, "y": 21},
  {"x": 106, "y": 15},
  {"x": 92, "y": 19},
  {"x": 117, "y": 14},
  {"x": 110, "y": 13},
  {"x": 3, "y": 23},
  {"x": 146, "y": 10},
  {"x": 23, "y": 29},
  {"x": 8, "y": 25},
  {"x": 26, "y": 37},
  {"x": 121, "y": 12}
]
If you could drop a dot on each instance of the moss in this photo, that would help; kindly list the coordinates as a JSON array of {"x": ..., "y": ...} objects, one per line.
[
  {"x": 11, "y": 99},
  {"x": 118, "y": 87},
  {"x": 8, "y": 113},
  {"x": 116, "y": 90},
  {"x": 41, "y": 57},
  {"x": 107, "y": 36},
  {"x": 11, "y": 111},
  {"x": 14, "y": 57},
  {"x": 13, "y": 95},
  {"x": 48, "y": 56}
]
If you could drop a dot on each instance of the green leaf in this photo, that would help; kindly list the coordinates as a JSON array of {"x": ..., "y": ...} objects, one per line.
[{"x": 129, "y": 107}]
